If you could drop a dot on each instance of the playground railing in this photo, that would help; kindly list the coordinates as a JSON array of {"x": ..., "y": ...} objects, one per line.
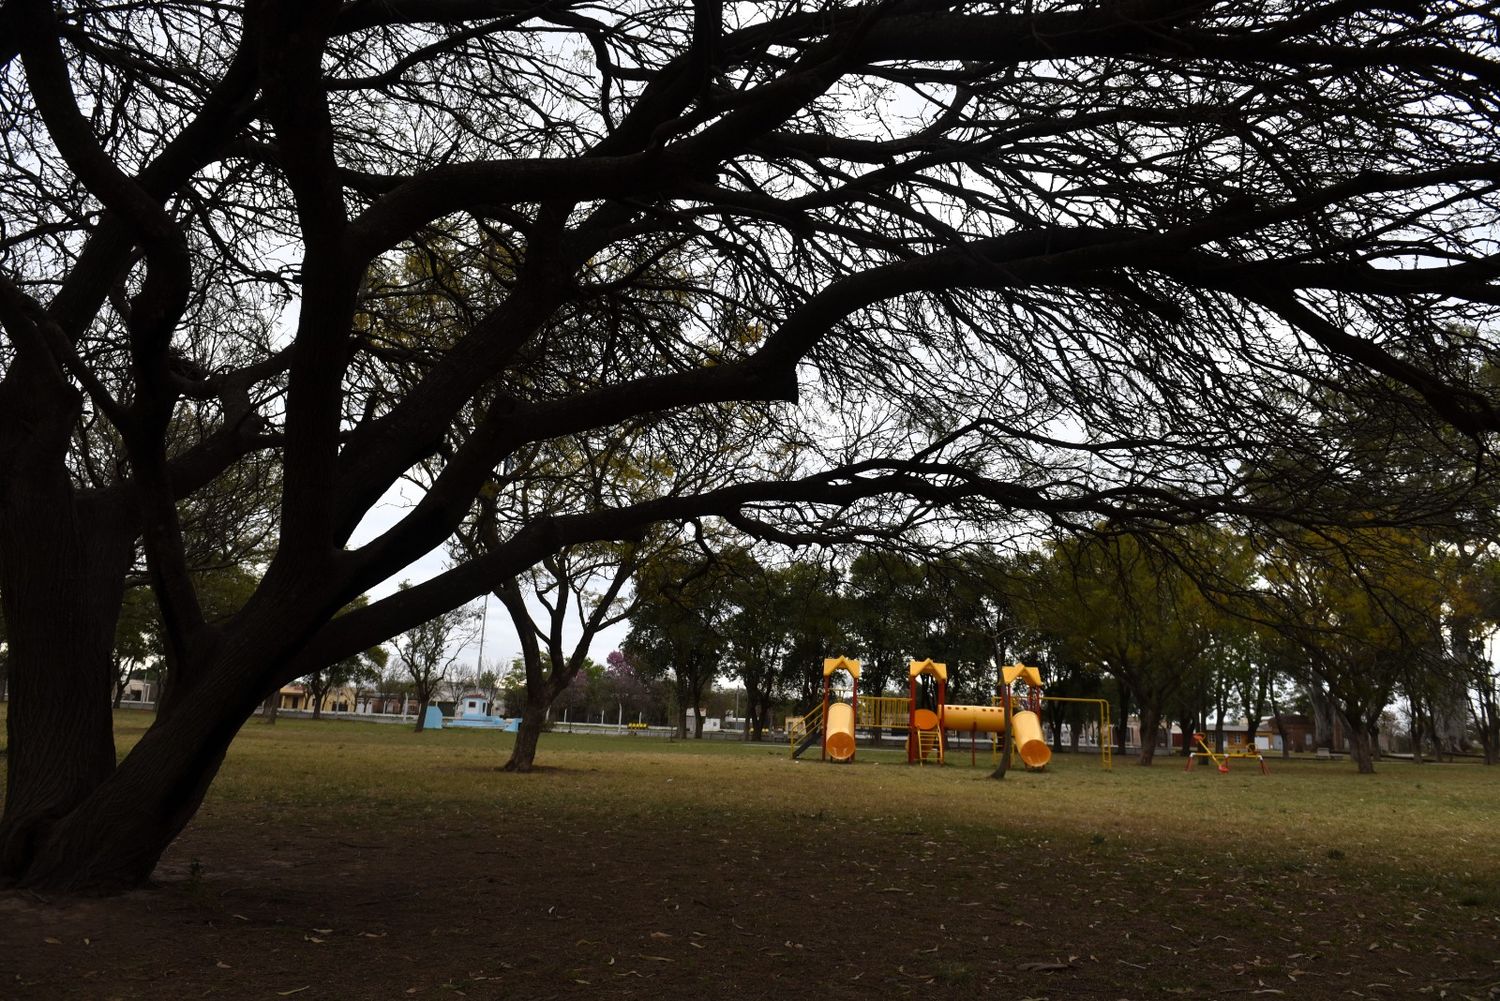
[
  {"x": 893, "y": 713},
  {"x": 798, "y": 727}
]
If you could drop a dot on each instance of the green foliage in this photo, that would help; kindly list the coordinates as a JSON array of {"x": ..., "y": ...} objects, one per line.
[
  {"x": 1360, "y": 607},
  {"x": 1127, "y": 605}
]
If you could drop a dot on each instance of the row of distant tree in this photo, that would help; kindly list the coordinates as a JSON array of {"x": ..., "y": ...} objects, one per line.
[{"x": 1182, "y": 626}]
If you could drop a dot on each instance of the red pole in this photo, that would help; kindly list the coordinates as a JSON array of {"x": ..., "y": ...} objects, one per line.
[
  {"x": 854, "y": 705},
  {"x": 942, "y": 716},
  {"x": 911, "y": 724},
  {"x": 824, "y": 722}
]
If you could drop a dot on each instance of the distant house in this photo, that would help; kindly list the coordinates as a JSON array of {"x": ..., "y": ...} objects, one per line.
[
  {"x": 292, "y": 697},
  {"x": 1299, "y": 732},
  {"x": 472, "y": 703},
  {"x": 139, "y": 690}
]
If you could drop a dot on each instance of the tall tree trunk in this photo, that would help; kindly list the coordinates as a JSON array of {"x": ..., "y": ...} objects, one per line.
[
  {"x": 1221, "y": 706},
  {"x": 1322, "y": 715},
  {"x": 1150, "y": 724},
  {"x": 1360, "y": 736},
  {"x": 422, "y": 698},
  {"x": 1362, "y": 750},
  {"x": 680, "y": 689},
  {"x": 111, "y": 840},
  {"x": 122, "y": 678},
  {"x": 533, "y": 720},
  {"x": 1123, "y": 730},
  {"x": 62, "y": 579},
  {"x": 270, "y": 707}
]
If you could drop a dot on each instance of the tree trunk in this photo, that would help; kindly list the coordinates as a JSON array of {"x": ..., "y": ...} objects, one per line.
[
  {"x": 122, "y": 678},
  {"x": 270, "y": 707},
  {"x": 1003, "y": 765},
  {"x": 422, "y": 710},
  {"x": 1414, "y": 730},
  {"x": 1150, "y": 724},
  {"x": 1361, "y": 749},
  {"x": 62, "y": 582},
  {"x": 1123, "y": 730},
  {"x": 111, "y": 841},
  {"x": 523, "y": 754},
  {"x": 1322, "y": 715}
]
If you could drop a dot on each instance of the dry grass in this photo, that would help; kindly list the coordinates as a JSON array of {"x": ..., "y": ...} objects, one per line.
[
  {"x": 629, "y": 867},
  {"x": 1406, "y": 819}
]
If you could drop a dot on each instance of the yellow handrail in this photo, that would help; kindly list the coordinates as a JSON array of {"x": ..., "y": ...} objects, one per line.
[
  {"x": 890, "y": 712},
  {"x": 798, "y": 727}
]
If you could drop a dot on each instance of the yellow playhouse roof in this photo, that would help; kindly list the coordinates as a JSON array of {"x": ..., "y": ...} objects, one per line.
[
  {"x": 832, "y": 664},
  {"x": 929, "y": 666}
]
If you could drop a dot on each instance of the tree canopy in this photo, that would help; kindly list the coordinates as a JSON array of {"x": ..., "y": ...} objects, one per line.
[{"x": 897, "y": 266}]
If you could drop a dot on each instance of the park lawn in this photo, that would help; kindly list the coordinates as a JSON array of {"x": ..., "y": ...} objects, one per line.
[{"x": 357, "y": 860}]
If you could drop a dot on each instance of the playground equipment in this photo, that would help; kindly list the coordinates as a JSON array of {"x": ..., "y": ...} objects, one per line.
[
  {"x": 1106, "y": 727},
  {"x": 932, "y": 717},
  {"x": 833, "y": 721},
  {"x": 928, "y": 682},
  {"x": 1026, "y": 724},
  {"x": 925, "y": 715},
  {"x": 1221, "y": 759},
  {"x": 838, "y": 717}
]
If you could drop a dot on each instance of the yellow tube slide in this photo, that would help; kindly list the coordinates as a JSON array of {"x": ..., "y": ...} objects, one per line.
[
  {"x": 840, "y": 731},
  {"x": 1027, "y": 729},
  {"x": 965, "y": 719}
]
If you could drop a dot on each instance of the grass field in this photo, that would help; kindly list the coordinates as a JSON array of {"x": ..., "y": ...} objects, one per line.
[{"x": 348, "y": 860}]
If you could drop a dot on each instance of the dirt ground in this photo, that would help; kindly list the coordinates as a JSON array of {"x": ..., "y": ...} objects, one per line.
[{"x": 531, "y": 904}]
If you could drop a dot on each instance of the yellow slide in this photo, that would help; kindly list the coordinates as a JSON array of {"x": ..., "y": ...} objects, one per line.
[
  {"x": 840, "y": 741},
  {"x": 1025, "y": 727},
  {"x": 1027, "y": 730}
]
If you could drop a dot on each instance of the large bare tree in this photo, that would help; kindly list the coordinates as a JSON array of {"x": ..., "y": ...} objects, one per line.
[{"x": 967, "y": 263}]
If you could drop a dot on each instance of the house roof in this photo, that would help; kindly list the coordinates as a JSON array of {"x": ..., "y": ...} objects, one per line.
[{"x": 1290, "y": 719}]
